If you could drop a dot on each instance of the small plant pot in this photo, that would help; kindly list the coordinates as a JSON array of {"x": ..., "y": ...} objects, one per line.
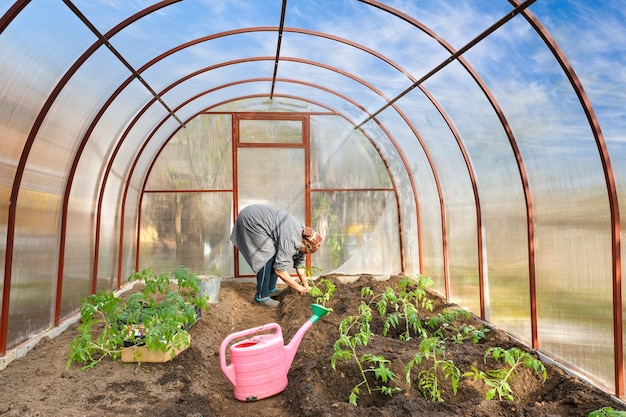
[{"x": 143, "y": 354}]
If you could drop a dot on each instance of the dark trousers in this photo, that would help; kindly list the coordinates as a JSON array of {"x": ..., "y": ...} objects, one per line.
[{"x": 266, "y": 280}]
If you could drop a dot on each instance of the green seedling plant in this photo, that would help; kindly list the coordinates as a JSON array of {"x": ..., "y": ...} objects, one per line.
[
  {"x": 607, "y": 412},
  {"x": 322, "y": 291},
  {"x": 157, "y": 317},
  {"x": 402, "y": 307},
  {"x": 499, "y": 379},
  {"x": 447, "y": 327},
  {"x": 310, "y": 271},
  {"x": 354, "y": 333},
  {"x": 429, "y": 382}
]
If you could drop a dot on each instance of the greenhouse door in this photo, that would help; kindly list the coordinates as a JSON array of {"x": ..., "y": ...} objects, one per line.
[{"x": 271, "y": 165}]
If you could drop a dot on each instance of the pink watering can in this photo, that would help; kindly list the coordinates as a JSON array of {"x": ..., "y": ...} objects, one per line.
[{"x": 259, "y": 365}]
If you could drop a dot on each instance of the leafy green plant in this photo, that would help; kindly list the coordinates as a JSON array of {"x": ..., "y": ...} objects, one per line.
[
  {"x": 322, "y": 290},
  {"x": 429, "y": 383},
  {"x": 355, "y": 332},
  {"x": 310, "y": 271},
  {"x": 499, "y": 379},
  {"x": 158, "y": 317},
  {"x": 447, "y": 327},
  {"x": 402, "y": 307},
  {"x": 607, "y": 412}
]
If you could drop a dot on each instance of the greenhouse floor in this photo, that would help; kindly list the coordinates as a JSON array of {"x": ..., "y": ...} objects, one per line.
[{"x": 192, "y": 384}]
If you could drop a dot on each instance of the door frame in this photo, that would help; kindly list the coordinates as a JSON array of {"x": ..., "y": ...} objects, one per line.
[{"x": 305, "y": 144}]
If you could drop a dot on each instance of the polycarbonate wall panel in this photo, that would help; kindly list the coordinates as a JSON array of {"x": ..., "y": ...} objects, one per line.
[
  {"x": 470, "y": 17},
  {"x": 429, "y": 210},
  {"x": 400, "y": 41},
  {"x": 53, "y": 46},
  {"x": 79, "y": 253},
  {"x": 355, "y": 90},
  {"x": 33, "y": 274},
  {"x": 405, "y": 195},
  {"x": 341, "y": 157},
  {"x": 109, "y": 227},
  {"x": 42, "y": 186},
  {"x": 366, "y": 224},
  {"x": 75, "y": 107},
  {"x": 356, "y": 225},
  {"x": 278, "y": 104},
  {"x": 568, "y": 189},
  {"x": 203, "y": 243},
  {"x": 198, "y": 157},
  {"x": 215, "y": 51},
  {"x": 132, "y": 191},
  {"x": 457, "y": 194},
  {"x": 355, "y": 61},
  {"x": 147, "y": 38},
  {"x": 587, "y": 32},
  {"x": 501, "y": 197},
  {"x": 217, "y": 78},
  {"x": 104, "y": 17},
  {"x": 129, "y": 230}
]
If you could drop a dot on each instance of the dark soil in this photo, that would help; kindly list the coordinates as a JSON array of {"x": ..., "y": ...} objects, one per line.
[{"x": 193, "y": 385}]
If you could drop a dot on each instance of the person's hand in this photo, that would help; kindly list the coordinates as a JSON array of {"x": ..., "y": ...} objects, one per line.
[{"x": 304, "y": 289}]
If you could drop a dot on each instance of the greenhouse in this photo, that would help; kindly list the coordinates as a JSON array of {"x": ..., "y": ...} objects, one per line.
[{"x": 480, "y": 143}]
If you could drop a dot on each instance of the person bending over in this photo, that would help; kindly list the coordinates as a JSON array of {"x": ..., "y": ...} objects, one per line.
[{"x": 269, "y": 240}]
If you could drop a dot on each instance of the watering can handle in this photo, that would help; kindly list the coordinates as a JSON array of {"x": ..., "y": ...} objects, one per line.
[{"x": 248, "y": 332}]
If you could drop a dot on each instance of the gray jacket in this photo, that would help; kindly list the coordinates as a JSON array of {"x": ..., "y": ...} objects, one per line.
[{"x": 262, "y": 231}]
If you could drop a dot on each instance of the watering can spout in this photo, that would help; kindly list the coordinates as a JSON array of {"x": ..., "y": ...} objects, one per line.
[{"x": 292, "y": 347}]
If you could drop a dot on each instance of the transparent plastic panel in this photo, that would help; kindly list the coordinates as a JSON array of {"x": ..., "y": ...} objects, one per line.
[
  {"x": 198, "y": 157},
  {"x": 330, "y": 76},
  {"x": 501, "y": 197},
  {"x": 332, "y": 102},
  {"x": 457, "y": 194},
  {"x": 341, "y": 157},
  {"x": 278, "y": 104},
  {"x": 203, "y": 242},
  {"x": 109, "y": 239},
  {"x": 143, "y": 142},
  {"x": 406, "y": 47},
  {"x": 79, "y": 253},
  {"x": 207, "y": 79},
  {"x": 270, "y": 131},
  {"x": 25, "y": 87},
  {"x": 129, "y": 229},
  {"x": 146, "y": 38},
  {"x": 127, "y": 162},
  {"x": 568, "y": 188},
  {"x": 216, "y": 52},
  {"x": 469, "y": 17},
  {"x": 104, "y": 14},
  {"x": 4, "y": 7},
  {"x": 33, "y": 274},
  {"x": 429, "y": 209},
  {"x": 358, "y": 62},
  {"x": 406, "y": 195},
  {"x": 273, "y": 176},
  {"x": 360, "y": 230},
  {"x": 591, "y": 32}
]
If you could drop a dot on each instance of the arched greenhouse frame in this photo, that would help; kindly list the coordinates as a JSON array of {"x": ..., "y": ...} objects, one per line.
[{"x": 480, "y": 143}]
